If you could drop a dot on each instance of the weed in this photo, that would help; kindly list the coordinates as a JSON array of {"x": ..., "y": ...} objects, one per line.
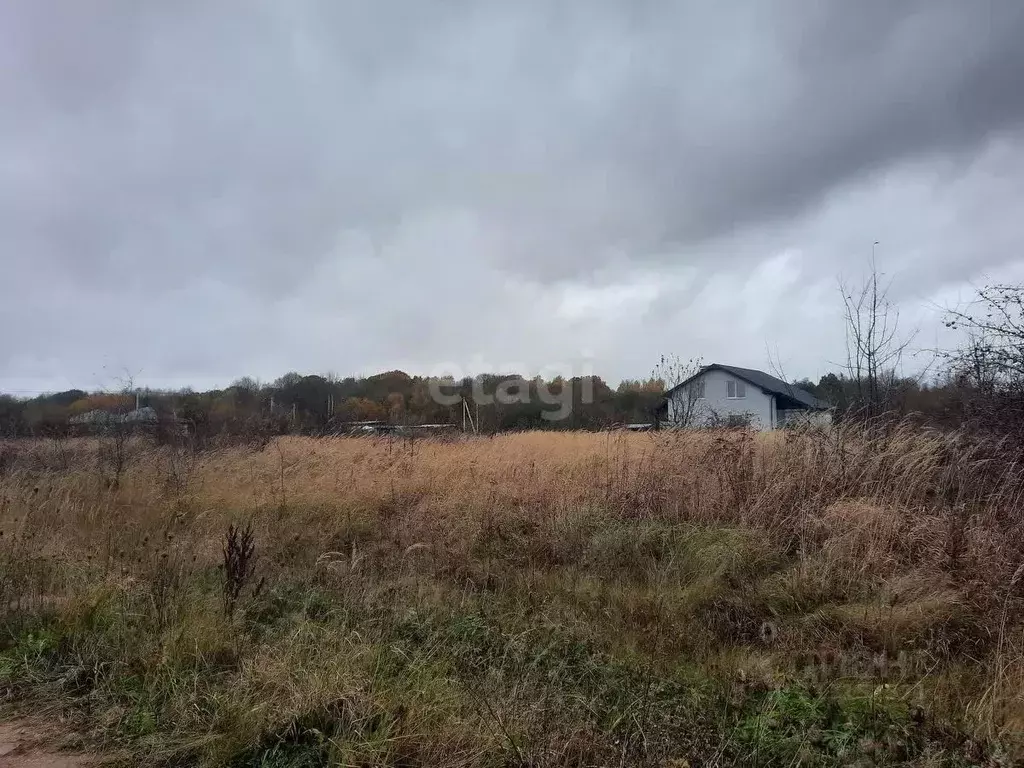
[
  {"x": 239, "y": 565},
  {"x": 570, "y": 599}
]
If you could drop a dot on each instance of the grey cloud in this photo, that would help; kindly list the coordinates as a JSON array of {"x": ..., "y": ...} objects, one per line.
[{"x": 165, "y": 148}]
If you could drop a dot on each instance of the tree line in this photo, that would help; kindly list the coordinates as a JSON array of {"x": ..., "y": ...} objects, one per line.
[
  {"x": 311, "y": 404},
  {"x": 980, "y": 383}
]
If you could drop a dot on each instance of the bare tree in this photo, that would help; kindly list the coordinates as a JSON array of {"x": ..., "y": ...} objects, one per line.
[
  {"x": 115, "y": 432},
  {"x": 994, "y": 322},
  {"x": 989, "y": 367},
  {"x": 247, "y": 384},
  {"x": 683, "y": 403},
  {"x": 874, "y": 344},
  {"x": 973, "y": 366}
]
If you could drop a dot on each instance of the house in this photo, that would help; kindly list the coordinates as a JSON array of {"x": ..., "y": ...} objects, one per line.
[
  {"x": 724, "y": 395},
  {"x": 100, "y": 419},
  {"x": 144, "y": 415},
  {"x": 94, "y": 418}
]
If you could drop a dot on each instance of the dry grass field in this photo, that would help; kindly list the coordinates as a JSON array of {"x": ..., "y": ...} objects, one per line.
[{"x": 534, "y": 599}]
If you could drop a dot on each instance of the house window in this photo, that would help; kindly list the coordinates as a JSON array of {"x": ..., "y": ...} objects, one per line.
[
  {"x": 698, "y": 390},
  {"x": 736, "y": 390}
]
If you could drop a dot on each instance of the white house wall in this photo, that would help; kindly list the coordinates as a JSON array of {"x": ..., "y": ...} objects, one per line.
[{"x": 716, "y": 406}]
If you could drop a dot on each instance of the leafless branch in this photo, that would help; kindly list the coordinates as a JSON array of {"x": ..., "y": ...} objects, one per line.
[{"x": 874, "y": 343}]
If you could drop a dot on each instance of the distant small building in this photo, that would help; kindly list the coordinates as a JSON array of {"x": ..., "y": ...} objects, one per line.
[
  {"x": 100, "y": 419},
  {"x": 726, "y": 395},
  {"x": 640, "y": 426},
  {"x": 96, "y": 418},
  {"x": 144, "y": 415},
  {"x": 360, "y": 428},
  {"x": 354, "y": 428}
]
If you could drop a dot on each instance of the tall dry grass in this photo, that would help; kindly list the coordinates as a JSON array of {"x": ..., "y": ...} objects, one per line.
[{"x": 483, "y": 601}]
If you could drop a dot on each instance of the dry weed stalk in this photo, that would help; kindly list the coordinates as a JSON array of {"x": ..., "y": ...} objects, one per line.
[{"x": 737, "y": 549}]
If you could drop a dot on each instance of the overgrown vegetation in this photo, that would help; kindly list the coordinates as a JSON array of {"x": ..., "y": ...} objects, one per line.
[{"x": 538, "y": 599}]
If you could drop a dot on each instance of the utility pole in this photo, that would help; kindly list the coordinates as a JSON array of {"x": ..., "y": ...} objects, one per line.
[{"x": 467, "y": 415}]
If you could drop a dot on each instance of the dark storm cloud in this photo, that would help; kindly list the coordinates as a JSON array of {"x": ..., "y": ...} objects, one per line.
[
  {"x": 805, "y": 100},
  {"x": 221, "y": 158}
]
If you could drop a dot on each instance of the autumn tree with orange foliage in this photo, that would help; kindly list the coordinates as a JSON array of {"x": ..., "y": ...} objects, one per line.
[{"x": 114, "y": 403}]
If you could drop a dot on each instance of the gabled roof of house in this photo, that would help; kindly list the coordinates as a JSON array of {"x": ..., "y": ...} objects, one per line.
[{"x": 766, "y": 382}]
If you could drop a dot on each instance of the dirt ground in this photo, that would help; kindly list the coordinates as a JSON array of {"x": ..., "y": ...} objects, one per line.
[{"x": 24, "y": 745}]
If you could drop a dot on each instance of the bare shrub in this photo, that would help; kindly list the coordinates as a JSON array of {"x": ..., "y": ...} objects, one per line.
[{"x": 239, "y": 565}]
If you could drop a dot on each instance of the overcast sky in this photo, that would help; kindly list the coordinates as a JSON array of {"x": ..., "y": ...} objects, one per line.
[{"x": 194, "y": 191}]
